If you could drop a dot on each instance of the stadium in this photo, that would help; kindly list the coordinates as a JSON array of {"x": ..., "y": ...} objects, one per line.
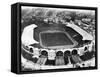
[{"x": 51, "y": 44}]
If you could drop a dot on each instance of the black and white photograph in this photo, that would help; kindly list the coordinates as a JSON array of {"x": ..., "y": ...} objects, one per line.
[
  {"x": 49, "y": 38},
  {"x": 57, "y": 38}
]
